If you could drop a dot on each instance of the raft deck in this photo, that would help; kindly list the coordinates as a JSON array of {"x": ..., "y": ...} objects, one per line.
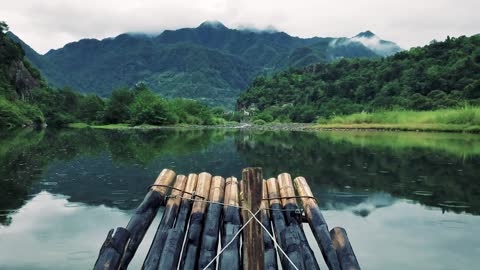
[{"x": 211, "y": 222}]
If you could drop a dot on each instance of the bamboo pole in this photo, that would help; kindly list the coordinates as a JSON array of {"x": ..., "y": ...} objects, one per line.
[
  {"x": 230, "y": 258},
  {"x": 346, "y": 256},
  {"x": 209, "y": 244},
  {"x": 144, "y": 215},
  {"x": 173, "y": 243},
  {"x": 112, "y": 250},
  {"x": 317, "y": 223},
  {"x": 197, "y": 217},
  {"x": 168, "y": 218},
  {"x": 253, "y": 252},
  {"x": 270, "y": 258},
  {"x": 280, "y": 226},
  {"x": 294, "y": 236}
]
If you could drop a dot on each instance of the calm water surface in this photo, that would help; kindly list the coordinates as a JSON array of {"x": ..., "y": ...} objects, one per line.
[{"x": 407, "y": 200}]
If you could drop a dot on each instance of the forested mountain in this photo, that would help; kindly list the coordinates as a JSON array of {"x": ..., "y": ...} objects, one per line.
[
  {"x": 26, "y": 99},
  {"x": 441, "y": 74},
  {"x": 17, "y": 80},
  {"x": 211, "y": 62}
]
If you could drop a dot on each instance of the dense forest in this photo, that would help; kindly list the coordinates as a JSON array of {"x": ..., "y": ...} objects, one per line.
[
  {"x": 211, "y": 62},
  {"x": 27, "y": 100},
  {"x": 439, "y": 75}
]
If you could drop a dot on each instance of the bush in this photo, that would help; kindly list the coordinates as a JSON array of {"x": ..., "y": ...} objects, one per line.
[{"x": 259, "y": 122}]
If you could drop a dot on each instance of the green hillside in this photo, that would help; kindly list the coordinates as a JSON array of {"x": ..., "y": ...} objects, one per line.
[
  {"x": 439, "y": 75},
  {"x": 211, "y": 63},
  {"x": 27, "y": 100}
]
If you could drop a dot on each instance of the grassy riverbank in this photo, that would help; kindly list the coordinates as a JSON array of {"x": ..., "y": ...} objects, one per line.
[
  {"x": 465, "y": 119},
  {"x": 146, "y": 126}
]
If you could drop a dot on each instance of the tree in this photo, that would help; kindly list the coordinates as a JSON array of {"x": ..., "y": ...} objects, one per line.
[
  {"x": 148, "y": 108},
  {"x": 118, "y": 108},
  {"x": 3, "y": 27},
  {"x": 91, "y": 108}
]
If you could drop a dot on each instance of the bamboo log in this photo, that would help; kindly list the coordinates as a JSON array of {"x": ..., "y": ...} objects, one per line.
[
  {"x": 112, "y": 250},
  {"x": 253, "y": 252},
  {"x": 346, "y": 256},
  {"x": 190, "y": 255},
  {"x": 280, "y": 226},
  {"x": 173, "y": 243},
  {"x": 230, "y": 258},
  {"x": 145, "y": 213},
  {"x": 168, "y": 218},
  {"x": 317, "y": 223},
  {"x": 294, "y": 236},
  {"x": 270, "y": 257},
  {"x": 209, "y": 244}
]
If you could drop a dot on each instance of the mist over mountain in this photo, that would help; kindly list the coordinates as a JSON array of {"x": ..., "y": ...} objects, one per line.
[{"x": 211, "y": 62}]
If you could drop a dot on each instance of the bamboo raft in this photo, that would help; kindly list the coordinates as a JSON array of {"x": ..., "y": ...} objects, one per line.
[{"x": 209, "y": 223}]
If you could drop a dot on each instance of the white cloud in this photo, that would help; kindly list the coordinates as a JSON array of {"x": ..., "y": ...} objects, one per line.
[{"x": 51, "y": 24}]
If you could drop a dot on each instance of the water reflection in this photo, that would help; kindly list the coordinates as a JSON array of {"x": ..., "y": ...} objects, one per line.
[
  {"x": 417, "y": 193},
  {"x": 49, "y": 232}
]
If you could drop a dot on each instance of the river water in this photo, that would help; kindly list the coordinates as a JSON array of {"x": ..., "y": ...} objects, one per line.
[{"x": 407, "y": 200}]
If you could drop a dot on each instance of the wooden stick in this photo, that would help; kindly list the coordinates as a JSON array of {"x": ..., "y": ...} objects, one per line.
[
  {"x": 294, "y": 235},
  {"x": 346, "y": 256},
  {"x": 209, "y": 244},
  {"x": 270, "y": 258},
  {"x": 230, "y": 258},
  {"x": 280, "y": 226},
  {"x": 112, "y": 250},
  {"x": 173, "y": 243},
  {"x": 197, "y": 217},
  {"x": 145, "y": 213},
  {"x": 168, "y": 218},
  {"x": 317, "y": 223},
  {"x": 253, "y": 252}
]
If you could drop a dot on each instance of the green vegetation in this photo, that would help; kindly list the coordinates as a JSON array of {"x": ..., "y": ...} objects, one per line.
[
  {"x": 465, "y": 119},
  {"x": 14, "y": 108},
  {"x": 211, "y": 64},
  {"x": 461, "y": 146},
  {"x": 26, "y": 100},
  {"x": 441, "y": 75}
]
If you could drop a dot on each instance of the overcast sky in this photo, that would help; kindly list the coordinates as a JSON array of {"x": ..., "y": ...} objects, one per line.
[{"x": 53, "y": 23}]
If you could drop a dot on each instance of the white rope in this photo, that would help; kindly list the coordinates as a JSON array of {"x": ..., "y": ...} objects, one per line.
[
  {"x": 274, "y": 241},
  {"x": 253, "y": 217},
  {"x": 183, "y": 244},
  {"x": 231, "y": 241}
]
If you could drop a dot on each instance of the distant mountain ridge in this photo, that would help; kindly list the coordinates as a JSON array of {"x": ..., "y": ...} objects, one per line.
[{"x": 211, "y": 62}]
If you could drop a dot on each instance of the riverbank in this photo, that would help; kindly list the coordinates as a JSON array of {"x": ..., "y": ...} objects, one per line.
[
  {"x": 459, "y": 120},
  {"x": 466, "y": 119},
  {"x": 149, "y": 127},
  {"x": 300, "y": 127}
]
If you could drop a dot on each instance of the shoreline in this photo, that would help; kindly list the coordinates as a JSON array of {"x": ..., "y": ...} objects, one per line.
[{"x": 450, "y": 128}]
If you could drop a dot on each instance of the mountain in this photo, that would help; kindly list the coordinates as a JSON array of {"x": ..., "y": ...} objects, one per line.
[
  {"x": 211, "y": 62},
  {"x": 17, "y": 80},
  {"x": 439, "y": 75}
]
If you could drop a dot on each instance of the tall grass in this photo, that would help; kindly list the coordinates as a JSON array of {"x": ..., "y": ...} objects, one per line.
[{"x": 456, "y": 119}]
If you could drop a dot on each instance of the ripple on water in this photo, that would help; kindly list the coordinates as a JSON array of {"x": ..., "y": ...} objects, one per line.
[
  {"x": 52, "y": 183},
  {"x": 81, "y": 255},
  {"x": 454, "y": 204},
  {"x": 423, "y": 193}
]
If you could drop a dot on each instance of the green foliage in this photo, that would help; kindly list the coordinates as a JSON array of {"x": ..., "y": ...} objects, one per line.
[
  {"x": 148, "y": 108},
  {"x": 440, "y": 75},
  {"x": 60, "y": 107},
  {"x": 3, "y": 27},
  {"x": 466, "y": 115},
  {"x": 209, "y": 64},
  {"x": 18, "y": 113},
  {"x": 259, "y": 122},
  {"x": 118, "y": 107}
]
